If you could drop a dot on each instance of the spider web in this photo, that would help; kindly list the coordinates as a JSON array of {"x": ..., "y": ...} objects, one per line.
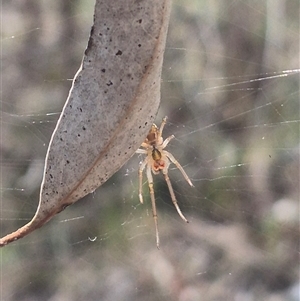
[{"x": 230, "y": 90}]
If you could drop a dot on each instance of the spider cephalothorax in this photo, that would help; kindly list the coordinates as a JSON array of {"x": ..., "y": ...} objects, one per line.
[{"x": 158, "y": 159}]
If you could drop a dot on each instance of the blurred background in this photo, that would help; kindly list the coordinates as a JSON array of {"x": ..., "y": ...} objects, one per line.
[{"x": 230, "y": 90}]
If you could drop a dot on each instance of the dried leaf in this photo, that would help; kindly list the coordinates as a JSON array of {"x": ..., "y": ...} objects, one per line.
[{"x": 112, "y": 103}]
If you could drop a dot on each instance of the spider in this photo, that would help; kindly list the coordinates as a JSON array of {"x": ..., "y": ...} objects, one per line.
[{"x": 158, "y": 159}]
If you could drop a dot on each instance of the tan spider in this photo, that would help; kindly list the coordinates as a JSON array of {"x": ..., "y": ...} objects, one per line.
[{"x": 158, "y": 159}]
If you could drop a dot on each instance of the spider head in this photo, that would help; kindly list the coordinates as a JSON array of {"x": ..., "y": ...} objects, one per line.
[{"x": 152, "y": 135}]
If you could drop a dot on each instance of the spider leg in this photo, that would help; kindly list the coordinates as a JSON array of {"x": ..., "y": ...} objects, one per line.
[
  {"x": 166, "y": 141},
  {"x": 154, "y": 212},
  {"x": 141, "y": 169},
  {"x": 163, "y": 123},
  {"x": 177, "y": 164},
  {"x": 145, "y": 145},
  {"x": 141, "y": 151},
  {"x": 173, "y": 196}
]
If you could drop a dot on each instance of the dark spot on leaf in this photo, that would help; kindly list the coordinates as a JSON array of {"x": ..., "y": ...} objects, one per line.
[
  {"x": 92, "y": 30},
  {"x": 64, "y": 206}
]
